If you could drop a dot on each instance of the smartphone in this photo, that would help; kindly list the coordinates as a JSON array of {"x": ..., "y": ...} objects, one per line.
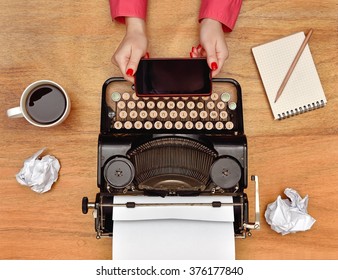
[{"x": 173, "y": 77}]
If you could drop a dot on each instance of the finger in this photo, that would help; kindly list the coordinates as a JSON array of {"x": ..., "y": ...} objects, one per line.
[{"x": 133, "y": 62}]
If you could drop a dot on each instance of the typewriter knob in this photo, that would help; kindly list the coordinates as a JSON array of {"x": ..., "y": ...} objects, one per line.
[
  {"x": 225, "y": 172},
  {"x": 85, "y": 205},
  {"x": 119, "y": 172}
]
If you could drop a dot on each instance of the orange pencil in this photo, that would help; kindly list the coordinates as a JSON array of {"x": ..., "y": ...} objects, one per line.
[{"x": 293, "y": 65}]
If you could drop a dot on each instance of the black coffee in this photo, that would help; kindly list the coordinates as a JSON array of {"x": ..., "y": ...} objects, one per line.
[{"x": 46, "y": 104}]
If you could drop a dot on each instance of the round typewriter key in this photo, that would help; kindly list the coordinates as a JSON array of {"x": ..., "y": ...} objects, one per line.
[
  {"x": 225, "y": 97},
  {"x": 183, "y": 114},
  {"x": 116, "y": 96},
  {"x": 205, "y": 98},
  {"x": 189, "y": 125},
  {"x": 211, "y": 105},
  {"x": 173, "y": 114},
  {"x": 126, "y": 96},
  {"x": 131, "y": 104},
  {"x": 193, "y": 114},
  {"x": 199, "y": 125},
  {"x": 185, "y": 98},
  {"x": 178, "y": 125},
  {"x": 225, "y": 172},
  {"x": 160, "y": 104},
  {"x": 229, "y": 125},
  {"x": 118, "y": 125},
  {"x": 171, "y": 105},
  {"x": 128, "y": 125},
  {"x": 232, "y": 105},
  {"x": 200, "y": 105},
  {"x": 153, "y": 114},
  {"x": 223, "y": 115},
  {"x": 141, "y": 104},
  {"x": 138, "y": 125},
  {"x": 213, "y": 114},
  {"x": 135, "y": 97},
  {"x": 168, "y": 124},
  {"x": 214, "y": 96},
  {"x": 191, "y": 105},
  {"x": 219, "y": 125},
  {"x": 195, "y": 98},
  {"x": 119, "y": 172},
  {"x": 150, "y": 104},
  {"x": 133, "y": 114},
  {"x": 220, "y": 105},
  {"x": 148, "y": 125},
  {"x": 180, "y": 105},
  {"x": 209, "y": 125},
  {"x": 163, "y": 114},
  {"x": 158, "y": 125},
  {"x": 203, "y": 114},
  {"x": 123, "y": 114},
  {"x": 143, "y": 114},
  {"x": 121, "y": 105}
]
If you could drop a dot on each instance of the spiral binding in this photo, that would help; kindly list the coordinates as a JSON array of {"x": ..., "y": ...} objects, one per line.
[{"x": 301, "y": 110}]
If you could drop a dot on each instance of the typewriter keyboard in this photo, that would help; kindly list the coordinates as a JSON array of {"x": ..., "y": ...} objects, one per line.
[{"x": 214, "y": 112}]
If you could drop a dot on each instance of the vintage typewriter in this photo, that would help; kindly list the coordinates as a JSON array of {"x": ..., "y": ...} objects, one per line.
[{"x": 172, "y": 146}]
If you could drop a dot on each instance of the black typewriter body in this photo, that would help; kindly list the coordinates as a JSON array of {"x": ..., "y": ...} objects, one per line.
[{"x": 173, "y": 146}]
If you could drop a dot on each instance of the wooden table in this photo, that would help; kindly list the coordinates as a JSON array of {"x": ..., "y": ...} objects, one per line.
[{"x": 71, "y": 42}]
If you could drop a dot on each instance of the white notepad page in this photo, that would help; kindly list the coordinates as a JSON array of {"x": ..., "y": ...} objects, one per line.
[
  {"x": 173, "y": 232},
  {"x": 303, "y": 91}
]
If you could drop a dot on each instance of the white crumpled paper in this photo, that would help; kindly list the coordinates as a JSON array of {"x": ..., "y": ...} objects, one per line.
[
  {"x": 39, "y": 174},
  {"x": 289, "y": 215}
]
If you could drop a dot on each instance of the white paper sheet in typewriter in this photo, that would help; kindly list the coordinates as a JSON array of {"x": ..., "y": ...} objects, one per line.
[{"x": 173, "y": 232}]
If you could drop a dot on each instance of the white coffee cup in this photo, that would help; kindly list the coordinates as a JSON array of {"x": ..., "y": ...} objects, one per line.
[{"x": 43, "y": 103}]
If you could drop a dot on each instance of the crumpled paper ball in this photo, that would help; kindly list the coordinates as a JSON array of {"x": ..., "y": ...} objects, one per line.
[
  {"x": 39, "y": 174},
  {"x": 289, "y": 215}
]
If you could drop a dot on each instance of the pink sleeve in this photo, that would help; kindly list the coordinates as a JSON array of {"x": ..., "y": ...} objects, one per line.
[
  {"x": 225, "y": 11},
  {"x": 120, "y": 9}
]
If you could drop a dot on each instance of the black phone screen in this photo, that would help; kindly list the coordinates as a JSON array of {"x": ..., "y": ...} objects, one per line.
[{"x": 173, "y": 77}]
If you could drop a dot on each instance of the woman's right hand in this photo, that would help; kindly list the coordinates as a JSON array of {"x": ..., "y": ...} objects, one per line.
[{"x": 132, "y": 48}]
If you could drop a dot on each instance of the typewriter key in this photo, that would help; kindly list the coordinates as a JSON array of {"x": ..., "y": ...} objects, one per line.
[
  {"x": 200, "y": 105},
  {"x": 150, "y": 104},
  {"x": 173, "y": 114},
  {"x": 178, "y": 125},
  {"x": 183, "y": 114},
  {"x": 223, "y": 115},
  {"x": 168, "y": 124},
  {"x": 158, "y": 125},
  {"x": 210, "y": 105},
  {"x": 138, "y": 125},
  {"x": 180, "y": 105},
  {"x": 153, "y": 114},
  {"x": 119, "y": 172},
  {"x": 141, "y": 104},
  {"x": 232, "y": 105},
  {"x": 128, "y": 125},
  {"x": 160, "y": 104},
  {"x": 189, "y": 125},
  {"x": 193, "y": 114},
  {"x": 203, "y": 114},
  {"x": 229, "y": 125},
  {"x": 171, "y": 105},
  {"x": 220, "y": 105},
  {"x": 131, "y": 104},
  {"x": 123, "y": 114},
  {"x": 213, "y": 114},
  {"x": 191, "y": 105},
  {"x": 118, "y": 125},
  {"x": 225, "y": 97},
  {"x": 116, "y": 96},
  {"x": 148, "y": 125},
  {"x": 143, "y": 114},
  {"x": 121, "y": 105},
  {"x": 209, "y": 125},
  {"x": 214, "y": 96},
  {"x": 135, "y": 97},
  {"x": 126, "y": 96},
  {"x": 133, "y": 114},
  {"x": 225, "y": 172},
  {"x": 163, "y": 114},
  {"x": 199, "y": 125},
  {"x": 219, "y": 125}
]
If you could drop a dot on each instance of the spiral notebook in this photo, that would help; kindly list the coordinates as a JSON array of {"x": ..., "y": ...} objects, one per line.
[{"x": 304, "y": 91}]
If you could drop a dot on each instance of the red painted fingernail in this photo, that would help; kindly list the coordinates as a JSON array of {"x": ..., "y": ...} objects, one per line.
[
  {"x": 146, "y": 55},
  {"x": 190, "y": 54},
  {"x": 214, "y": 66},
  {"x": 199, "y": 46},
  {"x": 130, "y": 72}
]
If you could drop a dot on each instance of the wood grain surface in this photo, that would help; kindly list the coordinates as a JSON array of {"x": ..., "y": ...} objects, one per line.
[{"x": 72, "y": 41}]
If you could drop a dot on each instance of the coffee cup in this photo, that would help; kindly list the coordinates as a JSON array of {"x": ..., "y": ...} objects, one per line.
[{"x": 43, "y": 103}]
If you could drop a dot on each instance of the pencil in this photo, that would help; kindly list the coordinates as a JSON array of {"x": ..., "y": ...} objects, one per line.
[{"x": 293, "y": 65}]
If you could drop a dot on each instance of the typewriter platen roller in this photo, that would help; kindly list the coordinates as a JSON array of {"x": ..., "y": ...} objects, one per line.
[{"x": 169, "y": 146}]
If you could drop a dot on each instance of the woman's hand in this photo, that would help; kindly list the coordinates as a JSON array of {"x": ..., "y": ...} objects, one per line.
[
  {"x": 132, "y": 48},
  {"x": 212, "y": 45}
]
